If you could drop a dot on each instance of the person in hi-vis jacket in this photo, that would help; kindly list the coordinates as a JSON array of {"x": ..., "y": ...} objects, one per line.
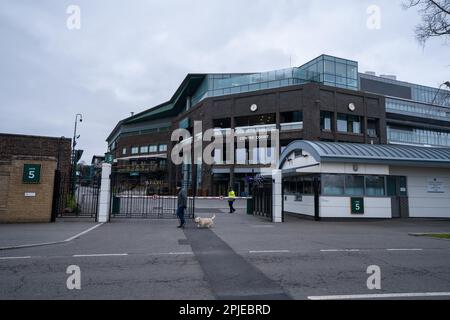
[{"x": 231, "y": 198}]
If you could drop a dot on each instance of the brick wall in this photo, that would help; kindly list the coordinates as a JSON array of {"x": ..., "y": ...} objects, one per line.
[
  {"x": 24, "y": 145},
  {"x": 14, "y": 205}
]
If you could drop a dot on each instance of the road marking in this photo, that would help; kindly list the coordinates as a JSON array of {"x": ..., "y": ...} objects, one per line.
[
  {"x": 340, "y": 250},
  {"x": 382, "y": 296},
  {"x": 404, "y": 249},
  {"x": 177, "y": 253},
  {"x": 83, "y": 233},
  {"x": 11, "y": 258},
  {"x": 262, "y": 226},
  {"x": 269, "y": 251},
  {"x": 100, "y": 255}
]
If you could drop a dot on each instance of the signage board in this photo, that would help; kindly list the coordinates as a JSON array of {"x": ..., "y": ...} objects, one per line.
[
  {"x": 109, "y": 158},
  {"x": 357, "y": 205},
  {"x": 436, "y": 185},
  {"x": 31, "y": 173}
]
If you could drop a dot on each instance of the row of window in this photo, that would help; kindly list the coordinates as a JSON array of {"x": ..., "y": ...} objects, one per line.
[
  {"x": 338, "y": 185},
  {"x": 418, "y": 136},
  {"x": 293, "y": 120},
  {"x": 417, "y": 109},
  {"x": 345, "y": 122},
  {"x": 418, "y": 92},
  {"x": 146, "y": 149}
]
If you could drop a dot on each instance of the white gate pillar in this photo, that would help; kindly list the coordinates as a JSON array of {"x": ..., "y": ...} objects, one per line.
[
  {"x": 104, "y": 198},
  {"x": 276, "y": 196}
]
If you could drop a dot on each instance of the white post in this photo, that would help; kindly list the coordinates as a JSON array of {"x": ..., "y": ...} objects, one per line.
[
  {"x": 104, "y": 197},
  {"x": 276, "y": 196}
]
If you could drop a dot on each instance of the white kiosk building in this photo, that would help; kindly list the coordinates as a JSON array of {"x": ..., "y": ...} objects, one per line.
[{"x": 346, "y": 180}]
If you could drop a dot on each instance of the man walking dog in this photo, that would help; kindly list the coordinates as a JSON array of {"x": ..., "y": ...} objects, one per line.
[{"x": 181, "y": 204}]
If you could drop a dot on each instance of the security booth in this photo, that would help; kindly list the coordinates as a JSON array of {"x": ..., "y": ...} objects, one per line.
[{"x": 346, "y": 180}]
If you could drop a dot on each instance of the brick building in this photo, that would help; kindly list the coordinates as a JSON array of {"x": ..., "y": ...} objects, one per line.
[
  {"x": 26, "y": 145},
  {"x": 326, "y": 99},
  {"x": 27, "y": 170}
]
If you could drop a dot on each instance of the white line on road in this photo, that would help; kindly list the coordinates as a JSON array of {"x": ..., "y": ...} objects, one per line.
[
  {"x": 269, "y": 251},
  {"x": 11, "y": 258},
  {"x": 404, "y": 249},
  {"x": 51, "y": 243},
  {"x": 100, "y": 255},
  {"x": 380, "y": 296},
  {"x": 84, "y": 232},
  {"x": 340, "y": 250},
  {"x": 177, "y": 253}
]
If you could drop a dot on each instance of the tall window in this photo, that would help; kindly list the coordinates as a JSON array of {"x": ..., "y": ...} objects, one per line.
[
  {"x": 354, "y": 185},
  {"x": 144, "y": 149},
  {"x": 348, "y": 123},
  {"x": 326, "y": 120},
  {"x": 333, "y": 184},
  {"x": 292, "y": 120},
  {"x": 372, "y": 128},
  {"x": 134, "y": 150},
  {"x": 163, "y": 147},
  {"x": 124, "y": 151},
  {"x": 375, "y": 186}
]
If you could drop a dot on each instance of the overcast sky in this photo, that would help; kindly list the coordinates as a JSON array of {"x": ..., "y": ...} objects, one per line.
[{"x": 131, "y": 55}]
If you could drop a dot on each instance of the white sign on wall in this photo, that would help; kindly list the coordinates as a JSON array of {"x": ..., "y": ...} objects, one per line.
[{"x": 435, "y": 185}]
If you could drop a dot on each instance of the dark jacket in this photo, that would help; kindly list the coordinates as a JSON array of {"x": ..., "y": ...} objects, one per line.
[{"x": 182, "y": 199}]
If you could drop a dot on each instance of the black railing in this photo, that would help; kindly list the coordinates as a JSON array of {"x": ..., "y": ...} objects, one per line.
[
  {"x": 80, "y": 202},
  {"x": 133, "y": 197}
]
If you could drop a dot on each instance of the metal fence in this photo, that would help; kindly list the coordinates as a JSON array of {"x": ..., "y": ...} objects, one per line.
[
  {"x": 79, "y": 199},
  {"x": 262, "y": 199},
  {"x": 139, "y": 198}
]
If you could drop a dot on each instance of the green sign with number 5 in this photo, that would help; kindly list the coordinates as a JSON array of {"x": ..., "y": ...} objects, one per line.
[
  {"x": 31, "y": 173},
  {"x": 357, "y": 205}
]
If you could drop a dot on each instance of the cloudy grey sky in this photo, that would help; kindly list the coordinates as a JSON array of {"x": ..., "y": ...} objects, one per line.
[{"x": 131, "y": 55}]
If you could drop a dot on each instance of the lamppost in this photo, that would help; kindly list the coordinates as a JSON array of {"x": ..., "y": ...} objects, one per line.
[
  {"x": 446, "y": 83},
  {"x": 74, "y": 154}
]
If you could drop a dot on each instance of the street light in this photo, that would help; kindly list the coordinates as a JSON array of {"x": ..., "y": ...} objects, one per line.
[
  {"x": 74, "y": 154},
  {"x": 446, "y": 83}
]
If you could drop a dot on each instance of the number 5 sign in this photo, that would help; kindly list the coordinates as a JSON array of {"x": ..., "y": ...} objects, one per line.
[
  {"x": 31, "y": 173},
  {"x": 357, "y": 205}
]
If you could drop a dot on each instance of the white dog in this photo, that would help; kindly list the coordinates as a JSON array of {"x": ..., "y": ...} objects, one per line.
[{"x": 205, "y": 222}]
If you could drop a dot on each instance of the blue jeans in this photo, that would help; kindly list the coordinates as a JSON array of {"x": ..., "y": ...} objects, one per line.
[{"x": 180, "y": 215}]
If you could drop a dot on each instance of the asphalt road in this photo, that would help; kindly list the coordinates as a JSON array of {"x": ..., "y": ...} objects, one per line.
[{"x": 242, "y": 257}]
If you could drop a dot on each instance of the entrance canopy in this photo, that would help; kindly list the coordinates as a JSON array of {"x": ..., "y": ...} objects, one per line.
[{"x": 404, "y": 155}]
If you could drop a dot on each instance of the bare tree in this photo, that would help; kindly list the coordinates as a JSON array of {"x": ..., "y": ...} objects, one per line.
[{"x": 435, "y": 18}]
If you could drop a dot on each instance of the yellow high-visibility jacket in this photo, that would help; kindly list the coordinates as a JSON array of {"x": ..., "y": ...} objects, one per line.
[{"x": 231, "y": 195}]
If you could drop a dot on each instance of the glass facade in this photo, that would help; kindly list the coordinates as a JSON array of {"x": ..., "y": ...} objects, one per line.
[
  {"x": 224, "y": 84},
  {"x": 334, "y": 71},
  {"x": 325, "y": 69},
  {"x": 418, "y": 136},
  {"x": 417, "y": 109},
  {"x": 430, "y": 95},
  {"x": 424, "y": 94}
]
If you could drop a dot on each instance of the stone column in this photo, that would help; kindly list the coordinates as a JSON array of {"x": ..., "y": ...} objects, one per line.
[{"x": 104, "y": 198}]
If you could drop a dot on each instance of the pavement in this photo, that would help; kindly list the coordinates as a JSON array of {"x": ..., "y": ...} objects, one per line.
[{"x": 242, "y": 257}]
